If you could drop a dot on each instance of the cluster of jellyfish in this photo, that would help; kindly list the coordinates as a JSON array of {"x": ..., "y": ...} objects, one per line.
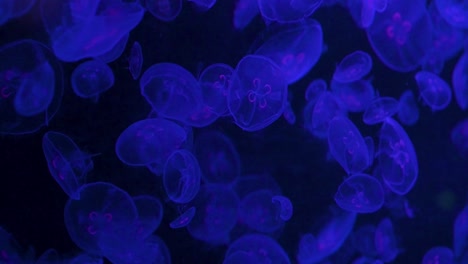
[{"x": 198, "y": 167}]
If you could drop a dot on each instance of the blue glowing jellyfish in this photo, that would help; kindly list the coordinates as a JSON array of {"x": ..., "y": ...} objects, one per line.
[
  {"x": 257, "y": 93},
  {"x": 360, "y": 193},
  {"x": 401, "y": 35},
  {"x": 397, "y": 160},
  {"x": 67, "y": 163}
]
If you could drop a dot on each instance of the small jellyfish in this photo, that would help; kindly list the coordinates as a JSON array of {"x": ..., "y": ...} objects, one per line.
[
  {"x": 214, "y": 82},
  {"x": 347, "y": 145},
  {"x": 385, "y": 241},
  {"x": 149, "y": 141},
  {"x": 216, "y": 215},
  {"x": 181, "y": 176},
  {"x": 397, "y": 160},
  {"x": 289, "y": 114},
  {"x": 135, "y": 61},
  {"x": 102, "y": 212},
  {"x": 380, "y": 109},
  {"x": 434, "y": 91},
  {"x": 401, "y": 35},
  {"x": 31, "y": 86},
  {"x": 294, "y": 47},
  {"x": 360, "y": 193},
  {"x": 171, "y": 90},
  {"x": 91, "y": 78},
  {"x": 408, "y": 110},
  {"x": 314, "y": 249},
  {"x": 184, "y": 219},
  {"x": 315, "y": 89},
  {"x": 67, "y": 163},
  {"x": 218, "y": 157},
  {"x": 459, "y": 81},
  {"x": 371, "y": 148},
  {"x": 356, "y": 96},
  {"x": 353, "y": 67},
  {"x": 454, "y": 12},
  {"x": 258, "y": 93},
  {"x": 317, "y": 116},
  {"x": 259, "y": 213},
  {"x": 285, "y": 205}
]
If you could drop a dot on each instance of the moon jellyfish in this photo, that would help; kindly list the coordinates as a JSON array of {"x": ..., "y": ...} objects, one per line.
[
  {"x": 397, "y": 161},
  {"x": 67, "y": 163},
  {"x": 347, "y": 145},
  {"x": 214, "y": 82},
  {"x": 259, "y": 213},
  {"x": 258, "y": 93},
  {"x": 184, "y": 219},
  {"x": 317, "y": 116},
  {"x": 103, "y": 211},
  {"x": 455, "y": 12},
  {"x": 31, "y": 87},
  {"x": 216, "y": 215},
  {"x": 92, "y": 78},
  {"x": 171, "y": 90},
  {"x": 314, "y": 249},
  {"x": 218, "y": 157},
  {"x": 459, "y": 81},
  {"x": 360, "y": 193},
  {"x": 135, "y": 61},
  {"x": 285, "y": 206},
  {"x": 401, "y": 35},
  {"x": 434, "y": 91},
  {"x": 294, "y": 47},
  {"x": 353, "y": 67},
  {"x": 379, "y": 110},
  {"x": 356, "y": 96},
  {"x": 149, "y": 141},
  {"x": 408, "y": 110},
  {"x": 181, "y": 177},
  {"x": 385, "y": 241},
  {"x": 315, "y": 89}
]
